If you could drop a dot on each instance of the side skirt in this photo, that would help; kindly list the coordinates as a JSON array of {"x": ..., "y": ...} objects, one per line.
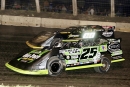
[{"x": 93, "y": 65}]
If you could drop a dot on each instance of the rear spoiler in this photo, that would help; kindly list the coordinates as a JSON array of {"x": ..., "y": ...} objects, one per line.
[{"x": 109, "y": 27}]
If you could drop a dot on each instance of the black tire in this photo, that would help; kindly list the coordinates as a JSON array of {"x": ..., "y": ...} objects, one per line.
[
  {"x": 106, "y": 65},
  {"x": 55, "y": 42},
  {"x": 55, "y": 66}
]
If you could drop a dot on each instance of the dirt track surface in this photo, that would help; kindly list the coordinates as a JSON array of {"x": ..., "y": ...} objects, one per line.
[{"x": 12, "y": 41}]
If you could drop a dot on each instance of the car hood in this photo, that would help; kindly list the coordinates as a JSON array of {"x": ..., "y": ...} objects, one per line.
[
  {"x": 37, "y": 41},
  {"x": 29, "y": 59}
]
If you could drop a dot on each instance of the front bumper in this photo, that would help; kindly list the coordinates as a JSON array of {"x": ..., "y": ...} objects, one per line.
[{"x": 33, "y": 72}]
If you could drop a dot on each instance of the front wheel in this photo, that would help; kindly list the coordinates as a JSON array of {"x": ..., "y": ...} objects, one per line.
[
  {"x": 106, "y": 66},
  {"x": 55, "y": 66}
]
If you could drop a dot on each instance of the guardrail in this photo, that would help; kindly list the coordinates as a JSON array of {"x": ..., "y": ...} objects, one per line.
[{"x": 57, "y": 23}]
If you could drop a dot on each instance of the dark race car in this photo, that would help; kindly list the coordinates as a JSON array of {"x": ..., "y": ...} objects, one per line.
[{"x": 76, "y": 47}]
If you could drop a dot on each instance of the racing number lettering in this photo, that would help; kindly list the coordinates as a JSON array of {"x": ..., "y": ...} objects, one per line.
[
  {"x": 93, "y": 52},
  {"x": 89, "y": 53},
  {"x": 86, "y": 52}
]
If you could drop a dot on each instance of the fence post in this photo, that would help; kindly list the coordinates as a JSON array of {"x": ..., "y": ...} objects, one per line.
[
  {"x": 2, "y": 4},
  {"x": 37, "y": 6},
  {"x": 112, "y": 8},
  {"x": 74, "y": 3}
]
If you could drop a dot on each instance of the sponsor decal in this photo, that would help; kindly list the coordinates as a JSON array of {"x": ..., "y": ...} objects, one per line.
[
  {"x": 71, "y": 61},
  {"x": 116, "y": 53},
  {"x": 104, "y": 48},
  {"x": 114, "y": 46},
  {"x": 31, "y": 56},
  {"x": 73, "y": 51},
  {"x": 74, "y": 56},
  {"x": 73, "y": 35},
  {"x": 107, "y": 34}
]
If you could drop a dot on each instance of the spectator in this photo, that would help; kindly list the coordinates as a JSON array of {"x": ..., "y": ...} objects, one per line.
[
  {"x": 56, "y": 8},
  {"x": 88, "y": 11},
  {"x": 120, "y": 10},
  {"x": 60, "y": 8},
  {"x": 105, "y": 13},
  {"x": 63, "y": 9},
  {"x": 46, "y": 5},
  {"x": 51, "y": 6},
  {"x": 98, "y": 12},
  {"x": 16, "y": 5},
  {"x": 70, "y": 9},
  {"x": 92, "y": 11},
  {"x": 82, "y": 10}
]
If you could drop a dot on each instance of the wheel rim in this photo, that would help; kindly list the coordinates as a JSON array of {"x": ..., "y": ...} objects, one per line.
[
  {"x": 105, "y": 66},
  {"x": 55, "y": 66}
]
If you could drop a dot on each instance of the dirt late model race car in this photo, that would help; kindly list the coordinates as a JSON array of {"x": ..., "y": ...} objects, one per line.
[{"x": 77, "y": 47}]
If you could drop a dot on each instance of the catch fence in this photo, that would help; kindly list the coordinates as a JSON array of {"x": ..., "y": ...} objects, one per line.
[{"x": 88, "y": 7}]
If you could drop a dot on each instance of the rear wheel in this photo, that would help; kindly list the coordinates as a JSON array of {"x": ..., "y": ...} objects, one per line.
[
  {"x": 106, "y": 65},
  {"x": 55, "y": 66}
]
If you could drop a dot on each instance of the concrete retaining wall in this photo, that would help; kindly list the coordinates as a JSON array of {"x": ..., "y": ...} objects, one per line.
[
  {"x": 20, "y": 21},
  {"x": 56, "y": 23},
  {"x": 97, "y": 23}
]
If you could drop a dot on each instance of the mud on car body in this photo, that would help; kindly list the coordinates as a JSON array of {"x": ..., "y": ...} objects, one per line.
[{"x": 76, "y": 47}]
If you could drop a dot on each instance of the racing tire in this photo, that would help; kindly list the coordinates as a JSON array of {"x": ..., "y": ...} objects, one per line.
[
  {"x": 106, "y": 65},
  {"x": 55, "y": 66}
]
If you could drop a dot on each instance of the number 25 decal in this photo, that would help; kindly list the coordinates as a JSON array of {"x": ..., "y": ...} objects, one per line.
[{"x": 89, "y": 53}]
